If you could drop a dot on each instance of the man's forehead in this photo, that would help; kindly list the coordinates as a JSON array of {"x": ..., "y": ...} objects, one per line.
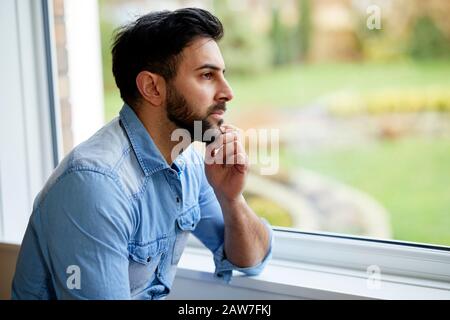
[{"x": 201, "y": 52}]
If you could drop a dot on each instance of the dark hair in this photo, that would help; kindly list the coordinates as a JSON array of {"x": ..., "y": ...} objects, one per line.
[{"x": 154, "y": 43}]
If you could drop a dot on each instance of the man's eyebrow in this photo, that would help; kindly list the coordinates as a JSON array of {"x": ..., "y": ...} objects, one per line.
[{"x": 210, "y": 66}]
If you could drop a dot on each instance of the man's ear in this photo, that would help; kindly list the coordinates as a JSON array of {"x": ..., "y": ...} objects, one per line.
[{"x": 152, "y": 87}]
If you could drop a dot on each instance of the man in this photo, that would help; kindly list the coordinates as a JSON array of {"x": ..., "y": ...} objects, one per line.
[{"x": 113, "y": 219}]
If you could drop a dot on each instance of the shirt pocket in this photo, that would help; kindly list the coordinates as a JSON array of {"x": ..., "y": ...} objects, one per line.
[
  {"x": 185, "y": 224},
  {"x": 143, "y": 261}
]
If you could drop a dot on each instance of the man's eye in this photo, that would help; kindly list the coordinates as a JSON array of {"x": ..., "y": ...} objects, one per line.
[{"x": 208, "y": 76}]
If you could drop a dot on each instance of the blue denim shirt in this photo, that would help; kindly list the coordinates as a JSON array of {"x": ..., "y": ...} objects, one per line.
[{"x": 115, "y": 215}]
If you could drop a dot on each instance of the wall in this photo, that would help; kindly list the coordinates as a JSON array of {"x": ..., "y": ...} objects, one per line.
[{"x": 8, "y": 257}]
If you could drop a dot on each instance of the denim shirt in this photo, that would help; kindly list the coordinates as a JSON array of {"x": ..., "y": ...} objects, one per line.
[{"x": 113, "y": 219}]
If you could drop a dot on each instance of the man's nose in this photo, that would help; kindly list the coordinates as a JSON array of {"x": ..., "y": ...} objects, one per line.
[{"x": 225, "y": 93}]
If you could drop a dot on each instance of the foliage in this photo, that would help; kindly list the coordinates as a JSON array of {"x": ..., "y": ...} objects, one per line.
[
  {"x": 290, "y": 44},
  {"x": 269, "y": 210},
  {"x": 245, "y": 50},
  {"x": 304, "y": 27},
  {"x": 388, "y": 101},
  {"x": 427, "y": 41},
  {"x": 107, "y": 29}
]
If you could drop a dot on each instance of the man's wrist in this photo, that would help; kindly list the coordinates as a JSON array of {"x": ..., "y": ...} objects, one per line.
[{"x": 231, "y": 203}]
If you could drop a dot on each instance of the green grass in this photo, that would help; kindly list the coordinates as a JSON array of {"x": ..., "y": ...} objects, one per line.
[
  {"x": 295, "y": 86},
  {"x": 410, "y": 177}
]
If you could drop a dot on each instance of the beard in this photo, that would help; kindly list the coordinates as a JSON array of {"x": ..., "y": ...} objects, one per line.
[{"x": 182, "y": 114}]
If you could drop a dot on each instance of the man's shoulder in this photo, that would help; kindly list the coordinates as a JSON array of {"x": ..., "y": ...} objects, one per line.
[
  {"x": 109, "y": 153},
  {"x": 102, "y": 151}
]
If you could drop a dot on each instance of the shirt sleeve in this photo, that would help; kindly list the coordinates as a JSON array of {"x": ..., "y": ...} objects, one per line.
[
  {"x": 210, "y": 231},
  {"x": 87, "y": 224}
]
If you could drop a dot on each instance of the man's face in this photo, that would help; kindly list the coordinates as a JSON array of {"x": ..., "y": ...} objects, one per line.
[{"x": 199, "y": 92}]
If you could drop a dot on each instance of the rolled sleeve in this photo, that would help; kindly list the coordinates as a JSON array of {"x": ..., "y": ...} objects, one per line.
[{"x": 224, "y": 268}]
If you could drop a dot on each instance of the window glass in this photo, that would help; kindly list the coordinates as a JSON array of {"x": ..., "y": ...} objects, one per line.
[{"x": 348, "y": 101}]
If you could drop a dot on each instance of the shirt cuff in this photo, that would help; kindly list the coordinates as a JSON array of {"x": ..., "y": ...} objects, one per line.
[{"x": 224, "y": 268}]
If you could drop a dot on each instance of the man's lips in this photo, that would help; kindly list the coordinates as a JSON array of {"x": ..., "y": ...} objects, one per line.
[{"x": 217, "y": 114}]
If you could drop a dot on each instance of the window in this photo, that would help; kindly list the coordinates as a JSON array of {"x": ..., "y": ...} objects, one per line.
[
  {"x": 356, "y": 109},
  {"x": 358, "y": 95}
]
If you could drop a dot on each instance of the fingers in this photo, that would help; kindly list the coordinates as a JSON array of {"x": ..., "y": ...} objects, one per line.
[
  {"x": 226, "y": 147},
  {"x": 228, "y": 127},
  {"x": 239, "y": 161},
  {"x": 234, "y": 154},
  {"x": 229, "y": 153},
  {"x": 218, "y": 143}
]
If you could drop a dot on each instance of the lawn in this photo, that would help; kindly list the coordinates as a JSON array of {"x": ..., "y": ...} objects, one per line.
[
  {"x": 296, "y": 86},
  {"x": 409, "y": 177}
]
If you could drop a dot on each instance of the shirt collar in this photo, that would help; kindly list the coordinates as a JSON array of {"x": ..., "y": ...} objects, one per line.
[{"x": 147, "y": 153}]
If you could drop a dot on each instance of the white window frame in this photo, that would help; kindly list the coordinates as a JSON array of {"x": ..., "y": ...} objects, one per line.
[
  {"x": 309, "y": 265},
  {"x": 29, "y": 98},
  {"x": 82, "y": 25}
]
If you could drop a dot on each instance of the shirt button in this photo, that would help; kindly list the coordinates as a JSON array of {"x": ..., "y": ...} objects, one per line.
[
  {"x": 178, "y": 199},
  {"x": 148, "y": 259}
]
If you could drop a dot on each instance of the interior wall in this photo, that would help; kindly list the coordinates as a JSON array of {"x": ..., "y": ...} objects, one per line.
[{"x": 8, "y": 258}]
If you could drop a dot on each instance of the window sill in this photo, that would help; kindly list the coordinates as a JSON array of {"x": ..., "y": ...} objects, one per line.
[
  {"x": 294, "y": 280},
  {"x": 305, "y": 279}
]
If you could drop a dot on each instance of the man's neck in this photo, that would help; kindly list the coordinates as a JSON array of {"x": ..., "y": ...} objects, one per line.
[{"x": 160, "y": 130}]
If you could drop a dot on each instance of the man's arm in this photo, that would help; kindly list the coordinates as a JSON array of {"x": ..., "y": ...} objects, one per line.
[
  {"x": 86, "y": 225},
  {"x": 247, "y": 239}
]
